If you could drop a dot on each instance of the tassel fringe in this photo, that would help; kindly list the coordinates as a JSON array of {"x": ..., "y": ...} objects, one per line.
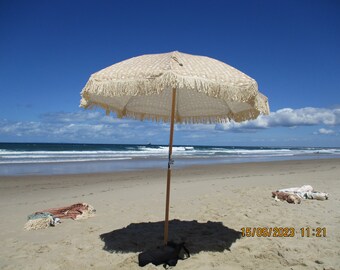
[
  {"x": 168, "y": 80},
  {"x": 39, "y": 223},
  {"x": 156, "y": 84}
]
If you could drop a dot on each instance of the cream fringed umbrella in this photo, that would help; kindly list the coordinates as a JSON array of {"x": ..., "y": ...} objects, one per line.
[{"x": 175, "y": 87}]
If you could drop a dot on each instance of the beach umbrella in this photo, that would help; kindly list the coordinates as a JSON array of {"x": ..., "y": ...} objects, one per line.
[{"x": 174, "y": 87}]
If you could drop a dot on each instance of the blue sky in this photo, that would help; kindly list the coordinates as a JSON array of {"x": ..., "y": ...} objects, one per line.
[{"x": 48, "y": 50}]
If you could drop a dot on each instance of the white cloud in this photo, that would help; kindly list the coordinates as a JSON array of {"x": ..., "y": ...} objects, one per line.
[
  {"x": 194, "y": 127},
  {"x": 287, "y": 117},
  {"x": 325, "y": 131},
  {"x": 93, "y": 126},
  {"x": 79, "y": 126},
  {"x": 81, "y": 117}
]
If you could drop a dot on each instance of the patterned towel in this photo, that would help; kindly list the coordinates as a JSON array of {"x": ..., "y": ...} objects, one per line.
[{"x": 50, "y": 217}]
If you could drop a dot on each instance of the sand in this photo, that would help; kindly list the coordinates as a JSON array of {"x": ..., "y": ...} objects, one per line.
[{"x": 209, "y": 207}]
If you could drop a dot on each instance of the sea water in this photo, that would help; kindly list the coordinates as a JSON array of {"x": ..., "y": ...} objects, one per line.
[{"x": 59, "y": 158}]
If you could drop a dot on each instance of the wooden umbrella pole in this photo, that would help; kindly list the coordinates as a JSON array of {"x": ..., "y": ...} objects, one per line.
[{"x": 167, "y": 203}]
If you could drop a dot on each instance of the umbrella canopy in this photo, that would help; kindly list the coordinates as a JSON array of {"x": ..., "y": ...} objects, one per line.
[
  {"x": 175, "y": 87},
  {"x": 207, "y": 90}
]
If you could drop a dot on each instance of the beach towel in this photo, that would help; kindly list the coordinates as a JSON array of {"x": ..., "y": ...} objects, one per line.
[
  {"x": 39, "y": 221},
  {"x": 299, "y": 191},
  {"x": 50, "y": 217},
  {"x": 283, "y": 196},
  {"x": 295, "y": 194},
  {"x": 74, "y": 211},
  {"x": 316, "y": 195}
]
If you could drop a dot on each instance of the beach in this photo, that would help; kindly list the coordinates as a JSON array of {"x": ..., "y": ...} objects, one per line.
[{"x": 210, "y": 204}]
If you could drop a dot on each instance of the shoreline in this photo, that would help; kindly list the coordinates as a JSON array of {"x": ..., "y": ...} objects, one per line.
[
  {"x": 233, "y": 196},
  {"x": 135, "y": 164},
  {"x": 174, "y": 168}
]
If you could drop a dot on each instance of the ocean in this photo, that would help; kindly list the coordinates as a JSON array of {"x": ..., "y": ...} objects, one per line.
[{"x": 60, "y": 158}]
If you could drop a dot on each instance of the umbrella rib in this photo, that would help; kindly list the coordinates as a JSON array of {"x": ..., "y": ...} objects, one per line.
[{"x": 124, "y": 108}]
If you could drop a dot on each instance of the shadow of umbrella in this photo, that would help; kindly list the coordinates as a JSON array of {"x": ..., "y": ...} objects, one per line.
[{"x": 138, "y": 237}]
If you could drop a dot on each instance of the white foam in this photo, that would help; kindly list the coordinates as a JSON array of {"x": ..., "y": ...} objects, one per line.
[
  {"x": 61, "y": 160},
  {"x": 19, "y": 157}
]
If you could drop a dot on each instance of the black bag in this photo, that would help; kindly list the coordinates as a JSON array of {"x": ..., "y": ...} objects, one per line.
[{"x": 167, "y": 255}]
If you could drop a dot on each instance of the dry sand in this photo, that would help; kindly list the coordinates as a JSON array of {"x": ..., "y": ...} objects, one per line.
[{"x": 211, "y": 205}]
